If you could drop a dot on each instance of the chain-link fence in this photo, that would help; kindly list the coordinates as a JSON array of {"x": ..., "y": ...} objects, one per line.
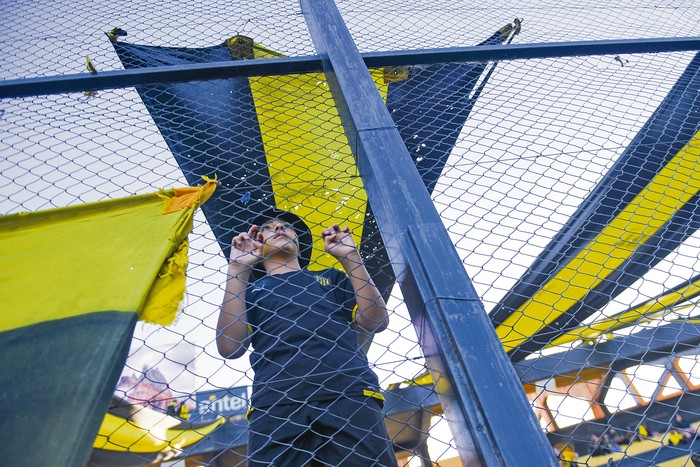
[{"x": 567, "y": 184}]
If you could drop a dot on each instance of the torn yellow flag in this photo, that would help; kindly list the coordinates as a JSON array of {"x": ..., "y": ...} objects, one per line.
[
  {"x": 191, "y": 196},
  {"x": 73, "y": 282},
  {"x": 127, "y": 255}
]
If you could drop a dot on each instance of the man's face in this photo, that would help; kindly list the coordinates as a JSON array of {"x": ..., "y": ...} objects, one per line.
[{"x": 277, "y": 233}]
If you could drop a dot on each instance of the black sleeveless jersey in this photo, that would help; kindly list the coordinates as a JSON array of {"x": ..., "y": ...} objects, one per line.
[{"x": 304, "y": 345}]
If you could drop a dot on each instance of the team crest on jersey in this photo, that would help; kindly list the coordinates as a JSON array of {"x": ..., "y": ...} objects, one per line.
[{"x": 323, "y": 280}]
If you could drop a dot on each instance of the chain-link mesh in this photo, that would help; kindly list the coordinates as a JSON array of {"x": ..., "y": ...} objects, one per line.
[{"x": 568, "y": 185}]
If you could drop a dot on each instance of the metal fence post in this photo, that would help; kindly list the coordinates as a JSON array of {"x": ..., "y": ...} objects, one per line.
[{"x": 491, "y": 419}]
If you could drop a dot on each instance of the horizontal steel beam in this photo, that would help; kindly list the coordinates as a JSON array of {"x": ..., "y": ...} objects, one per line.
[
  {"x": 24, "y": 87},
  {"x": 531, "y": 51},
  {"x": 157, "y": 75}
]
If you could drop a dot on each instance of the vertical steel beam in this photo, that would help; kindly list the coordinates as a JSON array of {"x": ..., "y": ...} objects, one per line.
[{"x": 491, "y": 419}]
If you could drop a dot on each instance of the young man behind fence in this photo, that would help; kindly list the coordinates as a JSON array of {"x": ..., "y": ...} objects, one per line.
[{"x": 315, "y": 401}]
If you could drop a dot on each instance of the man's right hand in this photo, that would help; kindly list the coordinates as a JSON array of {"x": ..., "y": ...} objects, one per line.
[{"x": 246, "y": 250}]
